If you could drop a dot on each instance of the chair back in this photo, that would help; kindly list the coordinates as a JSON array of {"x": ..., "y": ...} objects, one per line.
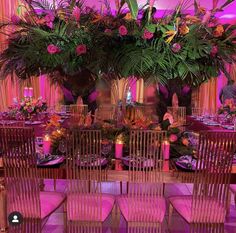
[
  {"x": 78, "y": 114},
  {"x": 198, "y": 112},
  {"x": 178, "y": 113},
  {"x": 84, "y": 174},
  {"x": 145, "y": 172},
  {"x": 20, "y": 169},
  {"x": 105, "y": 112},
  {"x": 212, "y": 176}
]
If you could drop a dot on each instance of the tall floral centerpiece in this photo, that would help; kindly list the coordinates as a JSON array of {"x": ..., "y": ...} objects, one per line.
[{"x": 75, "y": 45}]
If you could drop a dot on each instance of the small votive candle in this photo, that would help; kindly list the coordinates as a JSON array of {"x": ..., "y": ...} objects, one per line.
[
  {"x": 26, "y": 92},
  {"x": 166, "y": 149},
  {"x": 46, "y": 145},
  {"x": 30, "y": 94},
  {"x": 119, "y": 149}
]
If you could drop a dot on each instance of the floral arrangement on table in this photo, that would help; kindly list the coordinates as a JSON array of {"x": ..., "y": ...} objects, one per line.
[
  {"x": 57, "y": 135},
  {"x": 228, "y": 108},
  {"x": 66, "y": 38},
  {"x": 27, "y": 108}
]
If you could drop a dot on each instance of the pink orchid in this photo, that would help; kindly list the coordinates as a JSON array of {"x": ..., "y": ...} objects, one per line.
[
  {"x": 76, "y": 13},
  {"x": 81, "y": 49},
  {"x": 53, "y": 49},
  {"x": 123, "y": 30},
  {"x": 147, "y": 35}
]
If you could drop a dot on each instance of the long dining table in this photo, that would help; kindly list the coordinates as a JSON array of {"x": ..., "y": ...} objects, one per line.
[{"x": 115, "y": 171}]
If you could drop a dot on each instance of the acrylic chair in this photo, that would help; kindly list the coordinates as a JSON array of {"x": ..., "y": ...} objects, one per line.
[
  {"x": 178, "y": 113},
  {"x": 22, "y": 182},
  {"x": 197, "y": 112},
  {"x": 78, "y": 113},
  {"x": 205, "y": 210},
  {"x": 143, "y": 207},
  {"x": 87, "y": 207},
  {"x": 105, "y": 112}
]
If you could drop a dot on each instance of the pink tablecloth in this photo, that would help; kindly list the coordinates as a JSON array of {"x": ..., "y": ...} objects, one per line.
[{"x": 195, "y": 125}]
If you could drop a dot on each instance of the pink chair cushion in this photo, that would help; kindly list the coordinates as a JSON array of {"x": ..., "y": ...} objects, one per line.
[
  {"x": 208, "y": 210},
  {"x": 49, "y": 202},
  {"x": 233, "y": 188},
  {"x": 140, "y": 209},
  {"x": 94, "y": 207}
]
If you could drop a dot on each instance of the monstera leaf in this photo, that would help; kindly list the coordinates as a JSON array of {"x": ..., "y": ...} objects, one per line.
[{"x": 133, "y": 6}]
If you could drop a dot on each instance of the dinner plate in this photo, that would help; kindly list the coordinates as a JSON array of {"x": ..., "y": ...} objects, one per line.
[
  {"x": 186, "y": 163},
  {"x": 93, "y": 162},
  {"x": 33, "y": 122},
  {"x": 139, "y": 162},
  {"x": 230, "y": 127},
  {"x": 51, "y": 160},
  {"x": 211, "y": 123}
]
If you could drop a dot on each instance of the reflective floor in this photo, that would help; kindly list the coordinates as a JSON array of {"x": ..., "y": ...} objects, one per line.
[{"x": 55, "y": 222}]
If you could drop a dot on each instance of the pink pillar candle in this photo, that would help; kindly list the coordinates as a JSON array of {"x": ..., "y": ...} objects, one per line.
[
  {"x": 118, "y": 149},
  {"x": 26, "y": 92},
  {"x": 30, "y": 94},
  {"x": 166, "y": 149},
  {"x": 46, "y": 145}
]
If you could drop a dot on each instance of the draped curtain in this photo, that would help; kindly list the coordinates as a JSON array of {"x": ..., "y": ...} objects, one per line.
[
  {"x": 119, "y": 89},
  {"x": 12, "y": 87},
  {"x": 207, "y": 95}
]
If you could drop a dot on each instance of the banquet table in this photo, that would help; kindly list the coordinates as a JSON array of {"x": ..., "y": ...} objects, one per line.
[
  {"x": 115, "y": 171},
  {"x": 195, "y": 125}
]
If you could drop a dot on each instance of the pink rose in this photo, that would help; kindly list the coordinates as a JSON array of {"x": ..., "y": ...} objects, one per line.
[
  {"x": 214, "y": 50},
  {"x": 15, "y": 19},
  {"x": 147, "y": 35},
  {"x": 53, "y": 49},
  {"x": 123, "y": 30},
  {"x": 81, "y": 49},
  {"x": 76, "y": 13},
  {"x": 176, "y": 47},
  {"x": 173, "y": 138}
]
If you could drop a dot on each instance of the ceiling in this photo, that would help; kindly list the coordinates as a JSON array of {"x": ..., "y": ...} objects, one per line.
[{"x": 163, "y": 5}]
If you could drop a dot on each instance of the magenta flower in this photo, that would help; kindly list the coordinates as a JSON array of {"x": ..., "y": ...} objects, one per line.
[
  {"x": 81, "y": 49},
  {"x": 50, "y": 25},
  {"x": 123, "y": 30},
  {"x": 173, "y": 138},
  {"x": 214, "y": 50},
  {"x": 76, "y": 13},
  {"x": 53, "y": 49},
  {"x": 206, "y": 17},
  {"x": 176, "y": 47},
  {"x": 108, "y": 31},
  {"x": 147, "y": 35},
  {"x": 15, "y": 19},
  {"x": 49, "y": 18}
]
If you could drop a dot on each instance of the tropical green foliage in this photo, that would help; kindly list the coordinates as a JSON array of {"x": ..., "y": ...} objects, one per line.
[{"x": 68, "y": 37}]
